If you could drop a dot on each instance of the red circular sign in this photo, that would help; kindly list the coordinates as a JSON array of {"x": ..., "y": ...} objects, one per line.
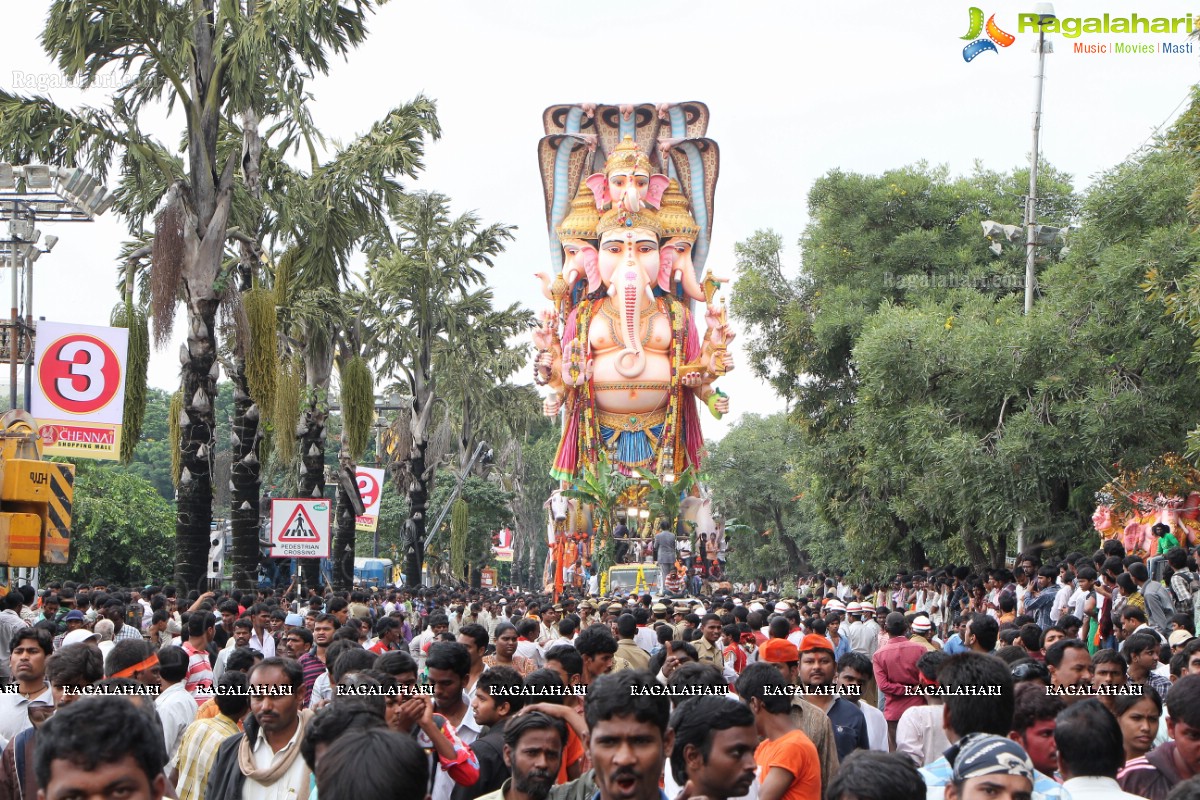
[
  {"x": 80, "y": 373},
  {"x": 368, "y": 488}
]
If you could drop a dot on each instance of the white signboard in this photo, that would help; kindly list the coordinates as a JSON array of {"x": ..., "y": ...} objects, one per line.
[
  {"x": 370, "y": 488},
  {"x": 78, "y": 395},
  {"x": 300, "y": 528}
]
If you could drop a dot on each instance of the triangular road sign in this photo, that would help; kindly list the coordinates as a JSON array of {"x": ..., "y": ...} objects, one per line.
[{"x": 299, "y": 528}]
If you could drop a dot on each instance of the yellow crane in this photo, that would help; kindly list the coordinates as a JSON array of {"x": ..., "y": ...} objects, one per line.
[{"x": 35, "y": 499}]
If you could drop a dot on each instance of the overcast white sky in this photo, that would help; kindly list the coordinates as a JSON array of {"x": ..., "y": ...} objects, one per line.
[{"x": 794, "y": 89}]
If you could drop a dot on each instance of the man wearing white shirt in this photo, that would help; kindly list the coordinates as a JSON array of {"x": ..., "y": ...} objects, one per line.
[
  {"x": 175, "y": 705},
  {"x": 1090, "y": 752},
  {"x": 261, "y": 638},
  {"x": 264, "y": 763},
  {"x": 527, "y": 646},
  {"x": 28, "y": 666},
  {"x": 1063, "y": 598},
  {"x": 438, "y": 624},
  {"x": 242, "y": 630}
]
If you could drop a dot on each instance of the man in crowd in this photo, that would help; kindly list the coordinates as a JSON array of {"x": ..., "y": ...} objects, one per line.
[
  {"x": 1034, "y": 717},
  {"x": 242, "y": 629},
  {"x": 785, "y": 657},
  {"x": 708, "y": 647},
  {"x": 265, "y": 761},
  {"x": 968, "y": 713},
  {"x": 818, "y": 672},
  {"x": 1090, "y": 752},
  {"x": 628, "y": 736},
  {"x": 175, "y": 705},
  {"x": 597, "y": 648},
  {"x": 99, "y": 747},
  {"x": 1070, "y": 668},
  {"x": 712, "y": 754},
  {"x": 868, "y": 775},
  {"x": 627, "y": 648},
  {"x": 438, "y": 624},
  {"x": 787, "y": 760},
  {"x": 30, "y": 648},
  {"x": 449, "y": 665},
  {"x": 990, "y": 767},
  {"x": 1159, "y": 604},
  {"x": 896, "y": 672},
  {"x": 202, "y": 739},
  {"x": 533, "y": 745},
  {"x": 201, "y": 629},
  {"x": 1141, "y": 653},
  {"x": 10, "y": 623},
  {"x": 496, "y": 702}
]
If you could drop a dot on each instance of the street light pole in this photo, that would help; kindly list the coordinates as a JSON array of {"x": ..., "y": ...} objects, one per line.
[
  {"x": 1045, "y": 12},
  {"x": 14, "y": 321}
]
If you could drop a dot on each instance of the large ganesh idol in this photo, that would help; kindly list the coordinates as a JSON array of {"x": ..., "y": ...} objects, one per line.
[{"x": 620, "y": 350}]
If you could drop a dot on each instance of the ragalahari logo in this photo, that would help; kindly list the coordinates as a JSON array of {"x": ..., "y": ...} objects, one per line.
[{"x": 995, "y": 36}]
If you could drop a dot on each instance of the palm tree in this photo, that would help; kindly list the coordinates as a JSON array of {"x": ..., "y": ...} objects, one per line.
[
  {"x": 213, "y": 61},
  {"x": 324, "y": 216},
  {"x": 415, "y": 282},
  {"x": 601, "y": 487}
]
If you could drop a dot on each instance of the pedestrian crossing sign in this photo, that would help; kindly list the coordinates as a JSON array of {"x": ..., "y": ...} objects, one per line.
[{"x": 300, "y": 528}]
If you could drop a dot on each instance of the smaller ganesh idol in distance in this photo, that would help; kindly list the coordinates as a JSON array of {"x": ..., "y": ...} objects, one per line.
[{"x": 620, "y": 350}]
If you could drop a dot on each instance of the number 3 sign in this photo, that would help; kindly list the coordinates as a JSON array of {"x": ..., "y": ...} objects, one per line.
[{"x": 79, "y": 394}]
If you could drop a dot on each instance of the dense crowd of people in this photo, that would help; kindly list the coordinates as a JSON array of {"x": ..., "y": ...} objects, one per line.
[{"x": 1076, "y": 677}]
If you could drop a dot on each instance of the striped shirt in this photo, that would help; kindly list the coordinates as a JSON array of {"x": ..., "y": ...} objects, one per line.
[
  {"x": 313, "y": 668},
  {"x": 198, "y": 751},
  {"x": 200, "y": 673}
]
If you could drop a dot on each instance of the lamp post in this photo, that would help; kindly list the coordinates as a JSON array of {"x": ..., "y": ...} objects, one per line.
[
  {"x": 1045, "y": 12},
  {"x": 29, "y": 194}
]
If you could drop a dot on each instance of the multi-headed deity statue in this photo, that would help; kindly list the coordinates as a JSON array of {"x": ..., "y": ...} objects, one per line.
[{"x": 620, "y": 350}]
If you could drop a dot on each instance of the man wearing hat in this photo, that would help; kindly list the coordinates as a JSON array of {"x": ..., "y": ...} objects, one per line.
[
  {"x": 864, "y": 637},
  {"x": 818, "y": 669},
  {"x": 550, "y": 618},
  {"x": 990, "y": 766},
  {"x": 921, "y": 627},
  {"x": 784, "y": 656},
  {"x": 74, "y": 620}
]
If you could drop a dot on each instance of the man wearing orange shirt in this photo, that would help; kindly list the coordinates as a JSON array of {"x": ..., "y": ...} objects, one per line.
[{"x": 788, "y": 768}]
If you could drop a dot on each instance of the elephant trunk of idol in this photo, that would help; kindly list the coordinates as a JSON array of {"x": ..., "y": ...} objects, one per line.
[
  {"x": 632, "y": 200},
  {"x": 685, "y": 275},
  {"x": 629, "y": 291}
]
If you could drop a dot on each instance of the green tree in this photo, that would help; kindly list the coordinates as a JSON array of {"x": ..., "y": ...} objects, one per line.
[
  {"x": 152, "y": 456},
  {"x": 214, "y": 62},
  {"x": 416, "y": 284},
  {"x": 488, "y": 511},
  {"x": 752, "y": 472},
  {"x": 121, "y": 528},
  {"x": 941, "y": 417}
]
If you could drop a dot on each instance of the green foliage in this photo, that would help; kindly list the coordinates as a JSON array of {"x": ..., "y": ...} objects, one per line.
[
  {"x": 122, "y": 528},
  {"x": 262, "y": 352},
  {"x": 358, "y": 405},
  {"x": 601, "y": 487},
  {"x": 459, "y": 519},
  {"x": 175, "y": 428},
  {"x": 127, "y": 315},
  {"x": 489, "y": 512},
  {"x": 934, "y": 417},
  {"x": 753, "y": 472},
  {"x": 152, "y": 452},
  {"x": 663, "y": 499},
  {"x": 289, "y": 391}
]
